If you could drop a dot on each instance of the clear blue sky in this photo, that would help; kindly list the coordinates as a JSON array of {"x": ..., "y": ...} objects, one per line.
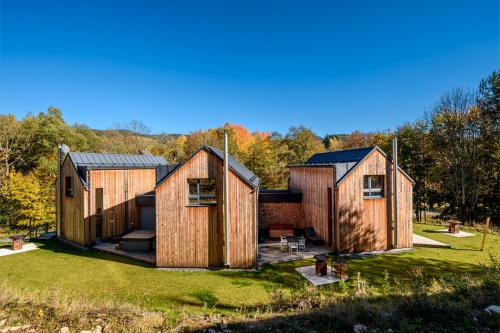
[{"x": 333, "y": 66}]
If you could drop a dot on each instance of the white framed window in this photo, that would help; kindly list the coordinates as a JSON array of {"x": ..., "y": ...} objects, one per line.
[
  {"x": 373, "y": 186},
  {"x": 202, "y": 191}
]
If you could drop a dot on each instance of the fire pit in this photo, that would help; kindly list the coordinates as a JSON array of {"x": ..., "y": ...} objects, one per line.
[
  {"x": 454, "y": 227},
  {"x": 321, "y": 264},
  {"x": 17, "y": 242}
]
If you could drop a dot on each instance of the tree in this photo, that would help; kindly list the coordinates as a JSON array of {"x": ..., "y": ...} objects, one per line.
[
  {"x": 24, "y": 205},
  {"x": 457, "y": 148},
  {"x": 12, "y": 141},
  {"x": 302, "y": 143}
]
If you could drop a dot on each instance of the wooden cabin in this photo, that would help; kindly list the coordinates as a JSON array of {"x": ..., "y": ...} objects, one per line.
[
  {"x": 189, "y": 214},
  {"x": 108, "y": 197},
  {"x": 348, "y": 198},
  {"x": 97, "y": 195}
]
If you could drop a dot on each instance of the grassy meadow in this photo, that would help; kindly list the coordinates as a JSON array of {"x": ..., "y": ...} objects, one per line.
[{"x": 103, "y": 278}]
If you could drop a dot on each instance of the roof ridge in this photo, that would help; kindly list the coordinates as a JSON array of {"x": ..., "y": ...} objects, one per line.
[{"x": 350, "y": 149}]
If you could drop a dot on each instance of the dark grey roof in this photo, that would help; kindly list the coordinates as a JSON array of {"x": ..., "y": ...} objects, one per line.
[
  {"x": 233, "y": 163},
  {"x": 340, "y": 156},
  {"x": 84, "y": 161},
  {"x": 344, "y": 161}
]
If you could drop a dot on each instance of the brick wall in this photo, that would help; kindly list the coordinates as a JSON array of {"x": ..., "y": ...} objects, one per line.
[{"x": 280, "y": 212}]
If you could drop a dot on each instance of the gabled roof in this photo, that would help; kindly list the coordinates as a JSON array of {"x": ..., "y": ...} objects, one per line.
[
  {"x": 84, "y": 161},
  {"x": 345, "y": 161},
  {"x": 233, "y": 163}
]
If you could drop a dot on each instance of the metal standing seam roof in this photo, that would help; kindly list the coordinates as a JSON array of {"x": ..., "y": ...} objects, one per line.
[
  {"x": 340, "y": 156},
  {"x": 84, "y": 161},
  {"x": 345, "y": 161},
  {"x": 233, "y": 163}
]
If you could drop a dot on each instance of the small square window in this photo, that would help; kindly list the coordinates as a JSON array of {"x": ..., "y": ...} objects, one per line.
[
  {"x": 68, "y": 186},
  {"x": 373, "y": 186},
  {"x": 202, "y": 191}
]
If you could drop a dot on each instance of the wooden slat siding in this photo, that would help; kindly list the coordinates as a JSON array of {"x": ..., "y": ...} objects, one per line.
[
  {"x": 112, "y": 181},
  {"x": 73, "y": 208},
  {"x": 366, "y": 224},
  {"x": 242, "y": 222},
  {"x": 405, "y": 211},
  {"x": 189, "y": 236},
  {"x": 362, "y": 222},
  {"x": 139, "y": 181},
  {"x": 313, "y": 182},
  {"x": 194, "y": 236}
]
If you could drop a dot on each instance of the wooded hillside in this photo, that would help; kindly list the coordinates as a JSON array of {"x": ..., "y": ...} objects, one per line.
[{"x": 452, "y": 153}]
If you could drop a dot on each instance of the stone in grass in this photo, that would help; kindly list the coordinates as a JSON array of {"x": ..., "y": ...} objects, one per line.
[
  {"x": 360, "y": 328},
  {"x": 2, "y": 322},
  {"x": 492, "y": 309},
  {"x": 64, "y": 329}
]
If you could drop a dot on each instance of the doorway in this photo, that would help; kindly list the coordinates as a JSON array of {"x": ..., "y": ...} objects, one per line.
[{"x": 98, "y": 214}]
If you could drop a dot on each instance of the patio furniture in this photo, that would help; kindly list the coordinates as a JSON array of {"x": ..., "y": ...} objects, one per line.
[
  {"x": 17, "y": 242},
  {"x": 454, "y": 227},
  {"x": 312, "y": 237},
  {"x": 321, "y": 265},
  {"x": 302, "y": 244},
  {"x": 293, "y": 244},
  {"x": 283, "y": 243}
]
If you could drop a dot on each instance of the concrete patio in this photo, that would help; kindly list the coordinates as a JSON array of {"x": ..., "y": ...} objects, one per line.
[
  {"x": 270, "y": 253},
  {"x": 145, "y": 256}
]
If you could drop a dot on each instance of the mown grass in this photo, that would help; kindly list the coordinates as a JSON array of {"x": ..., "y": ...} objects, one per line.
[{"x": 105, "y": 277}]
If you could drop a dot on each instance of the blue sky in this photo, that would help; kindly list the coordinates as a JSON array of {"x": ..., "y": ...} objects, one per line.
[{"x": 333, "y": 66}]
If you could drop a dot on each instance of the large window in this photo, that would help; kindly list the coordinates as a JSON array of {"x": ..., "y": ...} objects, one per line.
[
  {"x": 68, "y": 186},
  {"x": 373, "y": 187},
  {"x": 202, "y": 191}
]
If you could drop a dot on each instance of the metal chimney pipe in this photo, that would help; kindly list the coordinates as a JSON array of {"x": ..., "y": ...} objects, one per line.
[
  {"x": 395, "y": 188},
  {"x": 227, "y": 261}
]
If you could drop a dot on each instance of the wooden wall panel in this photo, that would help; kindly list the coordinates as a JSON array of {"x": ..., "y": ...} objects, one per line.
[
  {"x": 115, "y": 183},
  {"x": 73, "y": 208},
  {"x": 367, "y": 224},
  {"x": 314, "y": 182},
  {"x": 189, "y": 236},
  {"x": 362, "y": 222}
]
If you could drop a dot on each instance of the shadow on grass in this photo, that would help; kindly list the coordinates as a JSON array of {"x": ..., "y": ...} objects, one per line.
[
  {"x": 457, "y": 311},
  {"x": 59, "y": 247}
]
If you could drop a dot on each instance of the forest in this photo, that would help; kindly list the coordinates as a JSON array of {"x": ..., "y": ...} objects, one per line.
[{"x": 452, "y": 153}]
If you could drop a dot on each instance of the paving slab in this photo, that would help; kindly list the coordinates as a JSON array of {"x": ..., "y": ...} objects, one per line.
[
  {"x": 145, "y": 256},
  {"x": 26, "y": 247},
  {"x": 459, "y": 234},
  {"x": 422, "y": 241},
  {"x": 309, "y": 272}
]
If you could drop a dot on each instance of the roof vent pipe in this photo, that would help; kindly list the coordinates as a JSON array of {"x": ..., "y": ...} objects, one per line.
[
  {"x": 395, "y": 187},
  {"x": 227, "y": 261},
  {"x": 62, "y": 150}
]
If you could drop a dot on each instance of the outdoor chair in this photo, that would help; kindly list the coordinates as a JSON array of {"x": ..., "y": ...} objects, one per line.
[
  {"x": 293, "y": 246},
  {"x": 302, "y": 244},
  {"x": 283, "y": 243},
  {"x": 312, "y": 237}
]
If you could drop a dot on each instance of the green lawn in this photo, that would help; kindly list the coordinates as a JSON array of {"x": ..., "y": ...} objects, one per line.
[{"x": 105, "y": 276}]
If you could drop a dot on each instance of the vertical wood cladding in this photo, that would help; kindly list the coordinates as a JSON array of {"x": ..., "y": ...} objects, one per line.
[
  {"x": 193, "y": 236},
  {"x": 314, "y": 182},
  {"x": 78, "y": 223},
  {"x": 365, "y": 224}
]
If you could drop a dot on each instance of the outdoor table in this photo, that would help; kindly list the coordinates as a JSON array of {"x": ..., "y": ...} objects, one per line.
[
  {"x": 321, "y": 264},
  {"x": 454, "y": 227},
  {"x": 17, "y": 242}
]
